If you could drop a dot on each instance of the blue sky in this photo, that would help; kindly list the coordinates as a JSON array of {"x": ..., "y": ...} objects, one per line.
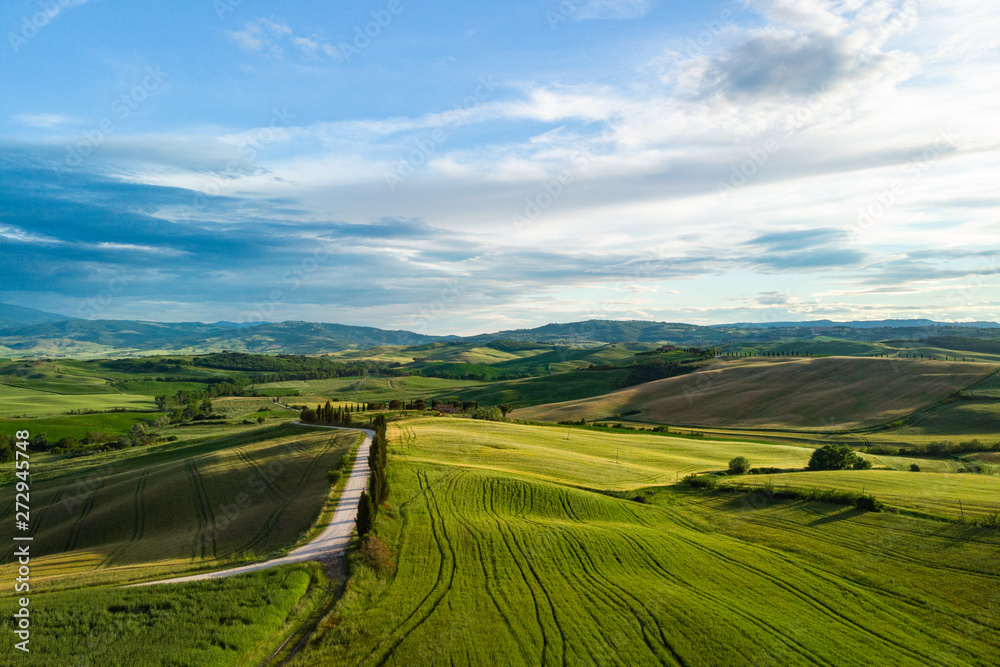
[{"x": 450, "y": 168}]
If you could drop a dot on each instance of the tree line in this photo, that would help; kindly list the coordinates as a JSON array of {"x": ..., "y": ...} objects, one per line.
[{"x": 378, "y": 483}]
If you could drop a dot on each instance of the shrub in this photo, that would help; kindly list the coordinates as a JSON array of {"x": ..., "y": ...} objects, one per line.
[
  {"x": 869, "y": 503},
  {"x": 375, "y": 554},
  {"x": 334, "y": 476},
  {"x": 991, "y": 521},
  {"x": 700, "y": 482},
  {"x": 914, "y": 467},
  {"x": 862, "y": 464},
  {"x": 739, "y": 465}
]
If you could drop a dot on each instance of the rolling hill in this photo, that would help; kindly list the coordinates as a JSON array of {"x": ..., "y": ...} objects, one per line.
[
  {"x": 13, "y": 318},
  {"x": 28, "y": 333},
  {"x": 816, "y": 393}
]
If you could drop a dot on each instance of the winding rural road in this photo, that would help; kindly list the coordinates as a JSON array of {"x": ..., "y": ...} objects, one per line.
[{"x": 334, "y": 538}]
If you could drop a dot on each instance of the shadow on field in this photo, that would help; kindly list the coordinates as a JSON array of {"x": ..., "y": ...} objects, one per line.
[{"x": 846, "y": 513}]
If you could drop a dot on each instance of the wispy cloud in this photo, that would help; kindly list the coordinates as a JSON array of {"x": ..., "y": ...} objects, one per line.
[
  {"x": 613, "y": 9},
  {"x": 45, "y": 121}
]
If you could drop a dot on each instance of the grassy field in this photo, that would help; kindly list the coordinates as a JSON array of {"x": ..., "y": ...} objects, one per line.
[
  {"x": 373, "y": 389},
  {"x": 579, "y": 457},
  {"x": 546, "y": 389},
  {"x": 77, "y": 426},
  {"x": 818, "y": 393},
  {"x": 15, "y": 401},
  {"x": 555, "y": 574},
  {"x": 179, "y": 506},
  {"x": 236, "y": 621},
  {"x": 941, "y": 494}
]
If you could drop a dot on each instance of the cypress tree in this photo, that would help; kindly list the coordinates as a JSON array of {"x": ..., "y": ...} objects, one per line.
[{"x": 366, "y": 515}]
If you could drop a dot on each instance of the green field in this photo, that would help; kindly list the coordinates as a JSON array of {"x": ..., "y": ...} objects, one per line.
[
  {"x": 374, "y": 389},
  {"x": 77, "y": 426},
  {"x": 940, "y": 494},
  {"x": 521, "y": 543},
  {"x": 236, "y": 621},
  {"x": 15, "y": 401},
  {"x": 179, "y": 506},
  {"x": 552, "y": 573},
  {"x": 545, "y": 389},
  {"x": 578, "y": 457}
]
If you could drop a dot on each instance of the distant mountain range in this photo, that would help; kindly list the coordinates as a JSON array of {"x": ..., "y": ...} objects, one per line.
[
  {"x": 864, "y": 324},
  {"x": 29, "y": 332}
]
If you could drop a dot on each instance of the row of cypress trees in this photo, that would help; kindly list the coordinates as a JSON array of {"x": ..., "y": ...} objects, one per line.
[
  {"x": 327, "y": 414},
  {"x": 378, "y": 482}
]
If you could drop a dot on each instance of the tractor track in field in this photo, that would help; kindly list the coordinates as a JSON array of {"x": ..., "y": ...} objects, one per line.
[
  {"x": 283, "y": 501},
  {"x": 860, "y": 546},
  {"x": 580, "y": 553},
  {"x": 440, "y": 588},
  {"x": 590, "y": 568},
  {"x": 36, "y": 524},
  {"x": 138, "y": 524},
  {"x": 272, "y": 489},
  {"x": 74, "y": 533},
  {"x": 810, "y": 600},
  {"x": 503, "y": 526},
  {"x": 646, "y": 551},
  {"x": 203, "y": 508},
  {"x": 490, "y": 582}
]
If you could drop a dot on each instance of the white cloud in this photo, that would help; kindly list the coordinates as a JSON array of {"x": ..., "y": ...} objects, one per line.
[{"x": 45, "y": 121}]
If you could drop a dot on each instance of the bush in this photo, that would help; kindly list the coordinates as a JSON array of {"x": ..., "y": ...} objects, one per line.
[
  {"x": 699, "y": 482},
  {"x": 869, "y": 503},
  {"x": 862, "y": 464},
  {"x": 739, "y": 465},
  {"x": 334, "y": 476},
  {"x": 375, "y": 554},
  {"x": 914, "y": 467}
]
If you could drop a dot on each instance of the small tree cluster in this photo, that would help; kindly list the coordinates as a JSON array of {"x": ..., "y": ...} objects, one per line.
[{"x": 837, "y": 457}]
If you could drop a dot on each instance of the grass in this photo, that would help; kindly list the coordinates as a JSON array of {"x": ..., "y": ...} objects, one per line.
[
  {"x": 373, "y": 389},
  {"x": 946, "y": 495},
  {"x": 16, "y": 401},
  {"x": 77, "y": 426},
  {"x": 552, "y": 574},
  {"x": 218, "y": 623},
  {"x": 184, "y": 506},
  {"x": 580, "y": 457},
  {"x": 238, "y": 408},
  {"x": 546, "y": 389},
  {"x": 832, "y": 393}
]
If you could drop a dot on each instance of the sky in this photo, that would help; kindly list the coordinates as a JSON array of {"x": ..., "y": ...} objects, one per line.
[{"x": 451, "y": 167}]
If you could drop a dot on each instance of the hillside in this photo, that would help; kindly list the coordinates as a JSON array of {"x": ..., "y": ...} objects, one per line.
[
  {"x": 13, "y": 318},
  {"x": 818, "y": 393},
  {"x": 114, "y": 337}
]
